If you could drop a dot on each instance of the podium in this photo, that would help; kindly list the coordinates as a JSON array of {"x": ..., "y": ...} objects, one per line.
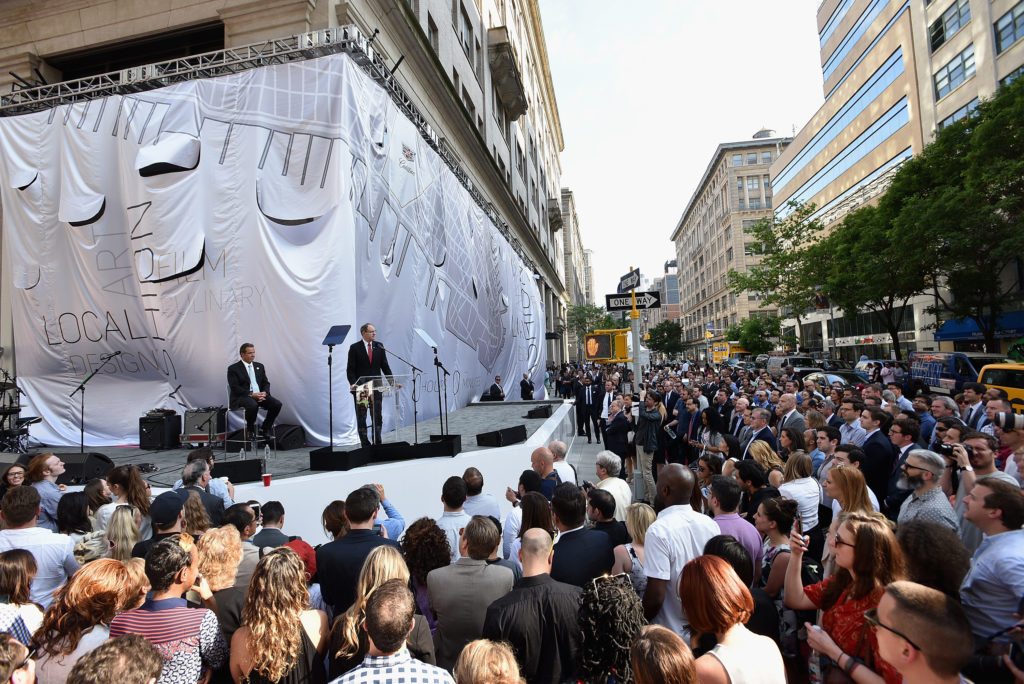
[{"x": 384, "y": 390}]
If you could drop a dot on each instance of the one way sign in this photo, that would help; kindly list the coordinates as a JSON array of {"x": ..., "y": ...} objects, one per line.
[{"x": 644, "y": 300}]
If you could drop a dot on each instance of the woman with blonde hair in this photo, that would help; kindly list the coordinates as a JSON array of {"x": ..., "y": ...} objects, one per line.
[
  {"x": 220, "y": 553},
  {"x": 280, "y": 642},
  {"x": 123, "y": 532},
  {"x": 762, "y": 452},
  {"x": 126, "y": 487},
  {"x": 487, "y": 662},
  {"x": 138, "y": 584},
  {"x": 79, "y": 618},
  {"x": 629, "y": 558},
  {"x": 347, "y": 644},
  {"x": 194, "y": 518}
]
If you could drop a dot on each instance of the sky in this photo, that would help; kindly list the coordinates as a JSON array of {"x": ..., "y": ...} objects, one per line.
[{"x": 647, "y": 90}]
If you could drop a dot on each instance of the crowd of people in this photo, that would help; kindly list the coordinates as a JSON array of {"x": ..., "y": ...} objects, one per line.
[{"x": 736, "y": 528}]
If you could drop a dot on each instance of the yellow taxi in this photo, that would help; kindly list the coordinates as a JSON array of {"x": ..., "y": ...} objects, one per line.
[{"x": 1008, "y": 377}]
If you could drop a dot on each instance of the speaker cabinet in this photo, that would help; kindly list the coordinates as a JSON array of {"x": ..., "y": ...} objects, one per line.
[
  {"x": 198, "y": 424},
  {"x": 159, "y": 432},
  {"x": 239, "y": 472},
  {"x": 502, "y": 437}
]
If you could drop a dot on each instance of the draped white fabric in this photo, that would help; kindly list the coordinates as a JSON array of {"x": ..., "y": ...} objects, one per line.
[{"x": 262, "y": 207}]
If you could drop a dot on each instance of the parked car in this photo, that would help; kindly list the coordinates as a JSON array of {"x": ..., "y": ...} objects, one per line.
[
  {"x": 946, "y": 372},
  {"x": 844, "y": 379},
  {"x": 1008, "y": 377},
  {"x": 861, "y": 368},
  {"x": 835, "y": 364}
]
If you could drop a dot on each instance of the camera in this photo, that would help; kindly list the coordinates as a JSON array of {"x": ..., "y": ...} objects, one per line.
[
  {"x": 947, "y": 450},
  {"x": 1009, "y": 421}
]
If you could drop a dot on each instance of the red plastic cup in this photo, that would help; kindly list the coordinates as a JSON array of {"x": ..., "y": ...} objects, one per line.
[{"x": 266, "y": 479}]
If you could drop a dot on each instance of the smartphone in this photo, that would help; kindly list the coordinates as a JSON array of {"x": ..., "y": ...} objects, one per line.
[{"x": 376, "y": 529}]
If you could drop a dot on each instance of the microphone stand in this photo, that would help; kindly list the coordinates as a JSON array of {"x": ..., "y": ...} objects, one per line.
[
  {"x": 330, "y": 394},
  {"x": 415, "y": 399},
  {"x": 443, "y": 416},
  {"x": 81, "y": 388}
]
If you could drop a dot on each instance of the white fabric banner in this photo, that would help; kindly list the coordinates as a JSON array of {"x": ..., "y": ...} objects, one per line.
[{"x": 262, "y": 207}]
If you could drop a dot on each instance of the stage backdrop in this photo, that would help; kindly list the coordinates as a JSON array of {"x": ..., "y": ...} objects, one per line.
[{"x": 262, "y": 207}]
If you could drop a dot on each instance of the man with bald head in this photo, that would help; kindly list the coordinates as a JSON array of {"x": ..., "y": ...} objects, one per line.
[
  {"x": 539, "y": 616},
  {"x": 543, "y": 463},
  {"x": 674, "y": 539},
  {"x": 788, "y": 415}
]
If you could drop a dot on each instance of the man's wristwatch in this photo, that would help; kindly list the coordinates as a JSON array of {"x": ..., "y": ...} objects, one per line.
[{"x": 966, "y": 468}]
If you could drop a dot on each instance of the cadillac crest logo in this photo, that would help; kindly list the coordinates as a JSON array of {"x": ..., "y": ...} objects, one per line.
[{"x": 408, "y": 161}]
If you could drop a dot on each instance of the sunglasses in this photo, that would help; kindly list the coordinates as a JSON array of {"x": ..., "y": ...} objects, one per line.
[{"x": 871, "y": 617}]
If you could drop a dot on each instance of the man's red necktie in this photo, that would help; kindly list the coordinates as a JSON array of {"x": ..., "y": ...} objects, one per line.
[{"x": 369, "y": 351}]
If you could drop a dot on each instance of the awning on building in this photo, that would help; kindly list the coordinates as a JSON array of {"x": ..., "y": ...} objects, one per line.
[{"x": 1009, "y": 325}]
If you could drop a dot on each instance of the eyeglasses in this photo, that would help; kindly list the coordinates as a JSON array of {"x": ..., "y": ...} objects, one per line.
[
  {"x": 907, "y": 466},
  {"x": 837, "y": 540},
  {"x": 871, "y": 616}
]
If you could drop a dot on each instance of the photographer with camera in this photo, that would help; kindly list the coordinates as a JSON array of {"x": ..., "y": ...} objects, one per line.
[
  {"x": 1009, "y": 429},
  {"x": 975, "y": 460}
]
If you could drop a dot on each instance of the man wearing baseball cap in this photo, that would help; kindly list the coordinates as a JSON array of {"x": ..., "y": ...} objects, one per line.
[{"x": 165, "y": 513}]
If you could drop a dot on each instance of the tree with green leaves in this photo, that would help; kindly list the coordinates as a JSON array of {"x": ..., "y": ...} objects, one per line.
[
  {"x": 960, "y": 203},
  {"x": 756, "y": 334},
  {"x": 784, "y": 276},
  {"x": 666, "y": 338},
  {"x": 870, "y": 268}
]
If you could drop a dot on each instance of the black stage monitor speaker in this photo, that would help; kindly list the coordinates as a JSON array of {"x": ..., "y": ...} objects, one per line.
[
  {"x": 199, "y": 421},
  {"x": 80, "y": 468},
  {"x": 159, "y": 431},
  {"x": 502, "y": 437},
  {"x": 539, "y": 412},
  {"x": 289, "y": 437},
  {"x": 249, "y": 470},
  {"x": 8, "y": 459}
]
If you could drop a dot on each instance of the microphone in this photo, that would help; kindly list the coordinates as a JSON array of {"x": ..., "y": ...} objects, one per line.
[
  {"x": 110, "y": 356},
  {"x": 378, "y": 345}
]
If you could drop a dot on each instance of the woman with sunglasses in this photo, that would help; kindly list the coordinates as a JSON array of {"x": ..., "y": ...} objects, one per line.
[{"x": 868, "y": 558}]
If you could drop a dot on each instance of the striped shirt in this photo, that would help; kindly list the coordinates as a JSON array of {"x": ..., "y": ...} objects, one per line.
[{"x": 189, "y": 639}]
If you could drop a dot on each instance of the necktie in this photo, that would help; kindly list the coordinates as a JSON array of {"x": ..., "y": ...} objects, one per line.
[
  {"x": 369, "y": 351},
  {"x": 588, "y": 396},
  {"x": 253, "y": 385}
]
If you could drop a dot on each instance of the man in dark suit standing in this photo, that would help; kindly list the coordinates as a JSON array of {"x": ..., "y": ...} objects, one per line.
[
  {"x": 249, "y": 389},
  {"x": 367, "y": 358},
  {"x": 526, "y": 388},
  {"x": 879, "y": 452},
  {"x": 495, "y": 392},
  {"x": 616, "y": 434},
  {"x": 588, "y": 409},
  {"x": 581, "y": 554}
]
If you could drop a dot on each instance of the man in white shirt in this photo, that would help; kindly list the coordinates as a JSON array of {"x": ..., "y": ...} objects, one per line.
[
  {"x": 55, "y": 560},
  {"x": 851, "y": 431},
  {"x": 676, "y": 537},
  {"x": 566, "y": 471}
]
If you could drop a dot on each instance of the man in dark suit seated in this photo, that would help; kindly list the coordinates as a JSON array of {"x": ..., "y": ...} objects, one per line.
[
  {"x": 367, "y": 359},
  {"x": 249, "y": 389},
  {"x": 580, "y": 554},
  {"x": 273, "y": 522},
  {"x": 194, "y": 478}
]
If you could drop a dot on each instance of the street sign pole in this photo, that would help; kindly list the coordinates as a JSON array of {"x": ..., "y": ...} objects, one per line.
[{"x": 635, "y": 315}]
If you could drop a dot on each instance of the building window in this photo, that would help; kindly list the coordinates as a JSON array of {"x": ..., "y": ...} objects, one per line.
[
  {"x": 766, "y": 157},
  {"x": 520, "y": 161},
  {"x": 755, "y": 202},
  {"x": 955, "y": 72},
  {"x": 751, "y": 157},
  {"x": 753, "y": 183},
  {"x": 456, "y": 81},
  {"x": 742, "y": 204},
  {"x": 1009, "y": 27},
  {"x": 961, "y": 113},
  {"x": 468, "y": 102},
  {"x": 949, "y": 22},
  {"x": 1012, "y": 76},
  {"x": 739, "y": 183},
  {"x": 737, "y": 160},
  {"x": 432, "y": 33},
  {"x": 728, "y": 254},
  {"x": 466, "y": 32}
]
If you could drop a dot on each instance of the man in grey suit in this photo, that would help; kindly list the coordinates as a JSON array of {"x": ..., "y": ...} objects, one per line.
[
  {"x": 789, "y": 417},
  {"x": 461, "y": 592}
]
